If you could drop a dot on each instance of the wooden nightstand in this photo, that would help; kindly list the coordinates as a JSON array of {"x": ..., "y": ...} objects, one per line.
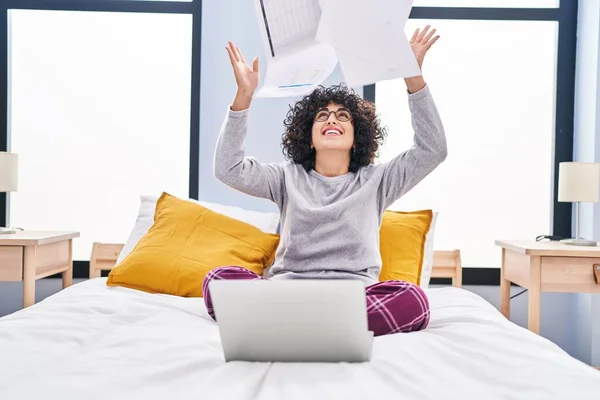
[
  {"x": 546, "y": 267},
  {"x": 31, "y": 255}
]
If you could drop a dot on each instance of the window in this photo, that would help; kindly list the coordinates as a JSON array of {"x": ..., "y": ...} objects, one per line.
[
  {"x": 99, "y": 114},
  {"x": 497, "y": 101}
]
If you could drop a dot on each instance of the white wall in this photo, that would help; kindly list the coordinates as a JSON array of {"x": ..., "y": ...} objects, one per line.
[
  {"x": 586, "y": 329},
  {"x": 218, "y": 88}
]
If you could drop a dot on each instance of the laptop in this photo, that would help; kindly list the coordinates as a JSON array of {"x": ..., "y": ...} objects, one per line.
[{"x": 292, "y": 320}]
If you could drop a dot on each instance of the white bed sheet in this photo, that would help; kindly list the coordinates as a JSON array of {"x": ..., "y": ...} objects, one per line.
[{"x": 94, "y": 342}]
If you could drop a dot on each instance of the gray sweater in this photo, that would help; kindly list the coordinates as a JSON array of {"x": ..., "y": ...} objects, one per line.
[{"x": 330, "y": 225}]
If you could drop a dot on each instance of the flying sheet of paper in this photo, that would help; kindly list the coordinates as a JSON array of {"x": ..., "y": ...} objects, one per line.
[
  {"x": 296, "y": 62},
  {"x": 378, "y": 48},
  {"x": 305, "y": 39},
  {"x": 298, "y": 73}
]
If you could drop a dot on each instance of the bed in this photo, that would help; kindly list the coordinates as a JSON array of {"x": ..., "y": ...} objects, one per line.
[{"x": 91, "y": 341}]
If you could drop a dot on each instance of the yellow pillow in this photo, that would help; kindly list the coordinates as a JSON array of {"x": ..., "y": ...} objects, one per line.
[
  {"x": 402, "y": 244},
  {"x": 185, "y": 242}
]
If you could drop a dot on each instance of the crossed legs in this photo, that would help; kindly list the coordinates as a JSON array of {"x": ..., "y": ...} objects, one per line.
[{"x": 392, "y": 306}]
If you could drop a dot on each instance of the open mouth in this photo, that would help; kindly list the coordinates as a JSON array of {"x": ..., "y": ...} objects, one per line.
[{"x": 332, "y": 132}]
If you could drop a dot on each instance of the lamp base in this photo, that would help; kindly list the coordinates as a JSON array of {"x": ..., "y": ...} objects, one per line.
[
  {"x": 579, "y": 242},
  {"x": 7, "y": 231}
]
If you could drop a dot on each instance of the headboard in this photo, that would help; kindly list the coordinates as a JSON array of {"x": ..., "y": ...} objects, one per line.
[{"x": 446, "y": 263}]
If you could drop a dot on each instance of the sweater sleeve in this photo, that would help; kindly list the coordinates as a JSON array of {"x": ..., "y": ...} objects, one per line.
[
  {"x": 429, "y": 150},
  {"x": 242, "y": 173}
]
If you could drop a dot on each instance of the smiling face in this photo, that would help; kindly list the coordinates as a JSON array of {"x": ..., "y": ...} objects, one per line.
[
  {"x": 330, "y": 129},
  {"x": 333, "y": 129}
]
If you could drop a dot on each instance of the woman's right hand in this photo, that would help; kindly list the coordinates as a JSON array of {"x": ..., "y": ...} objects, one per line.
[{"x": 246, "y": 77}]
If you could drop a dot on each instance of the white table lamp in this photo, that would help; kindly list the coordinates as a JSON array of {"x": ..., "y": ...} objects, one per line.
[
  {"x": 579, "y": 182},
  {"x": 9, "y": 163}
]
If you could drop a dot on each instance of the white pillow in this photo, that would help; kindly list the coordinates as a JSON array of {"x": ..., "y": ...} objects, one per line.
[
  {"x": 428, "y": 256},
  {"x": 266, "y": 222}
]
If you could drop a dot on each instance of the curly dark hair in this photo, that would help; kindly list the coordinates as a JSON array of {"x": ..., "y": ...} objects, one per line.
[{"x": 369, "y": 134}]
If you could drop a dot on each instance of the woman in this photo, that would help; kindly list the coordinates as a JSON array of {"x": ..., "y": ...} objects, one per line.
[{"x": 330, "y": 195}]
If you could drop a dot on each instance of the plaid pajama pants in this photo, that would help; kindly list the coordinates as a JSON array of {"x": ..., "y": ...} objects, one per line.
[{"x": 392, "y": 306}]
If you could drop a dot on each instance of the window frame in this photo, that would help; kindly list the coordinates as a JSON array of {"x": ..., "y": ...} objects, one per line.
[{"x": 566, "y": 17}]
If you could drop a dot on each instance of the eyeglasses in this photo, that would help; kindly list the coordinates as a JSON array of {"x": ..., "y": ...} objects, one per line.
[{"x": 341, "y": 115}]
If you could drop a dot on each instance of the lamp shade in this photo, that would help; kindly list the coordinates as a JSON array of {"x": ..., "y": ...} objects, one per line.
[
  {"x": 579, "y": 182},
  {"x": 9, "y": 163}
]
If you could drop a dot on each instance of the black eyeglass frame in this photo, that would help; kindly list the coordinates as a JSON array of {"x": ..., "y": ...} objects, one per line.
[{"x": 329, "y": 112}]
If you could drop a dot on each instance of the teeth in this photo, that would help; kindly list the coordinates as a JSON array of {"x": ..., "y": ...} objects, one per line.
[{"x": 332, "y": 131}]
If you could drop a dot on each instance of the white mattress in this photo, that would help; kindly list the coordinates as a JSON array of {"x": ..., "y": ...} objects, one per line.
[{"x": 94, "y": 342}]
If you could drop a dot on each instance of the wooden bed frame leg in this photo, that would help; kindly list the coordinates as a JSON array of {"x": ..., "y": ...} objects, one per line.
[{"x": 104, "y": 257}]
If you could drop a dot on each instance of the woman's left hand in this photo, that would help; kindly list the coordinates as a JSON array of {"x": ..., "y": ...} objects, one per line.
[{"x": 421, "y": 42}]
